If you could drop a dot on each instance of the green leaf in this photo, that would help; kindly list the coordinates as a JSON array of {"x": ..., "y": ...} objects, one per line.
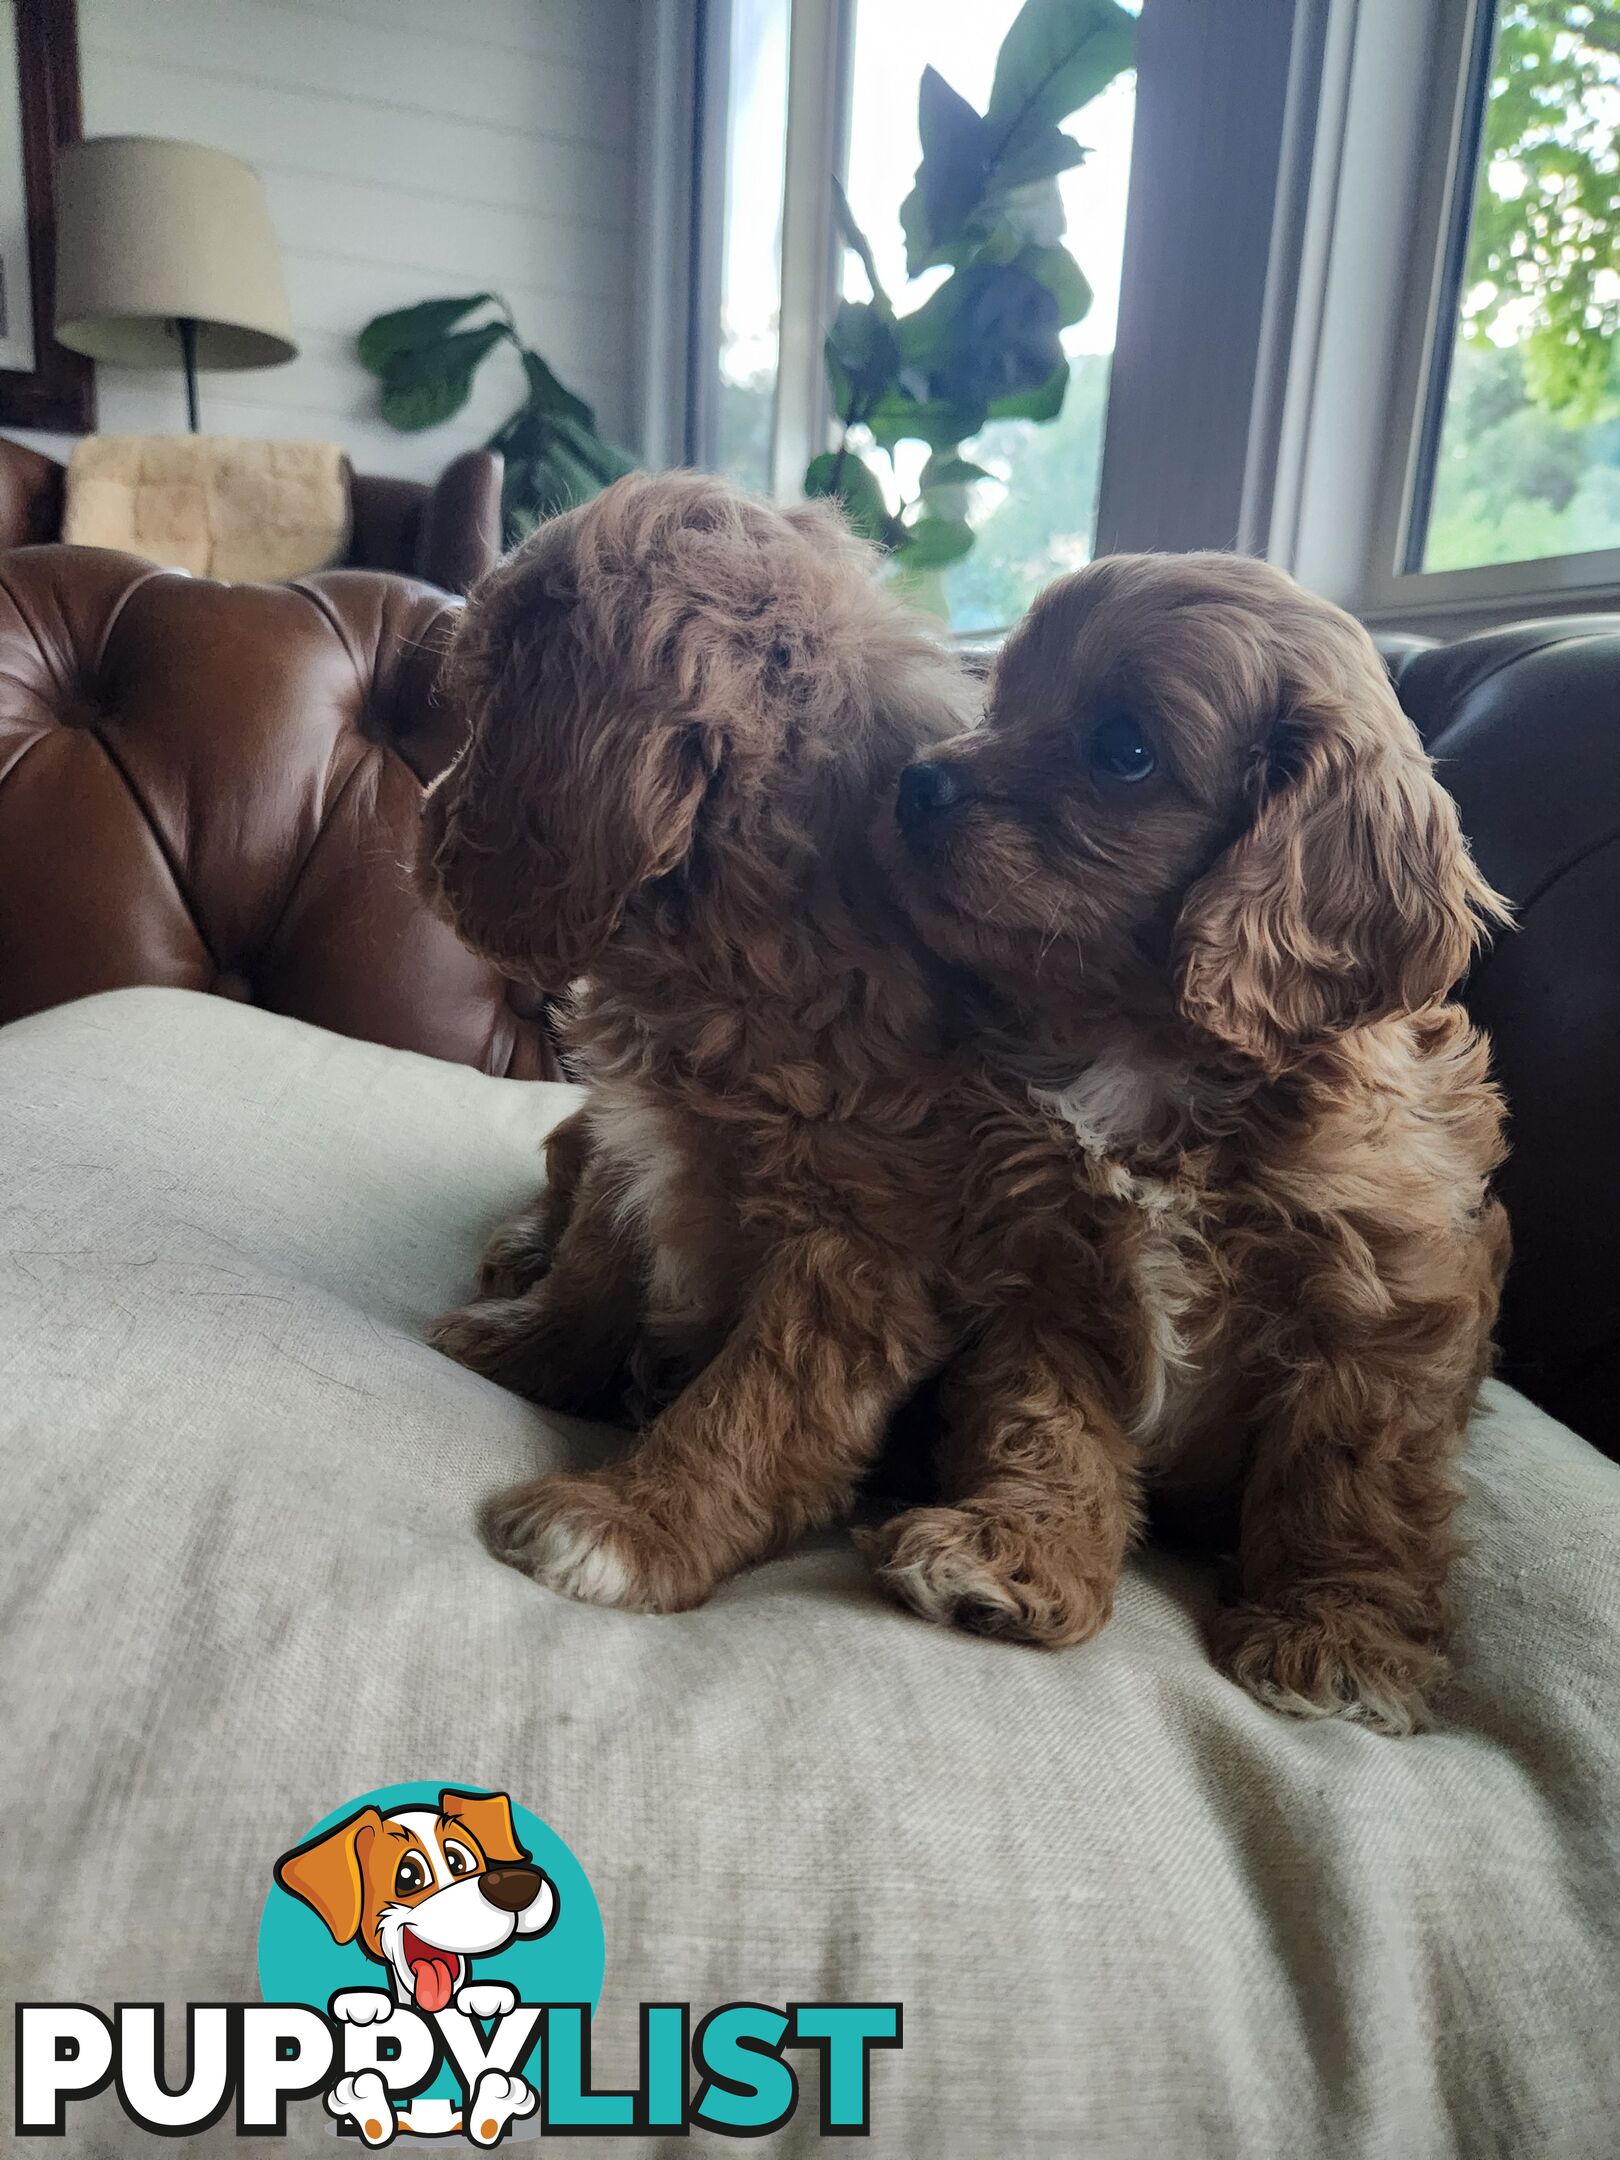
[
  {"x": 603, "y": 460},
  {"x": 1040, "y": 156},
  {"x": 853, "y": 484},
  {"x": 407, "y": 330},
  {"x": 950, "y": 178},
  {"x": 948, "y": 469},
  {"x": 1055, "y": 58},
  {"x": 939, "y": 422},
  {"x": 1044, "y": 403},
  {"x": 989, "y": 332},
  {"x": 935, "y": 541},
  {"x": 547, "y": 394},
  {"x": 1063, "y": 278},
  {"x": 428, "y": 384},
  {"x": 914, "y": 231},
  {"x": 863, "y": 357}
]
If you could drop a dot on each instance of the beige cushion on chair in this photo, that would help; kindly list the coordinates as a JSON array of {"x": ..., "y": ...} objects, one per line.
[
  {"x": 215, "y": 505},
  {"x": 1129, "y": 1912}
]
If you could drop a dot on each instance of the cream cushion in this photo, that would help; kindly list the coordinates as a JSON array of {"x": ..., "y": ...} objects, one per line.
[
  {"x": 1128, "y": 1912},
  {"x": 218, "y": 506}
]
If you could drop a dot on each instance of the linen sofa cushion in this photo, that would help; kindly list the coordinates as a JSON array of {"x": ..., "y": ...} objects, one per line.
[{"x": 1128, "y": 1912}]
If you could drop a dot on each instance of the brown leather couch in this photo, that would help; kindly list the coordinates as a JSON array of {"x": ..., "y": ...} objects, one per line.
[
  {"x": 216, "y": 787},
  {"x": 448, "y": 533},
  {"x": 1524, "y": 726}
]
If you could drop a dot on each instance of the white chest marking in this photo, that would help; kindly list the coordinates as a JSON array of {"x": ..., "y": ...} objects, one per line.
[
  {"x": 636, "y": 1137},
  {"x": 1113, "y": 1105}
]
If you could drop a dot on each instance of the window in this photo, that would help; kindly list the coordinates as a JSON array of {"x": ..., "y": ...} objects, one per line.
[
  {"x": 1522, "y": 460},
  {"x": 751, "y": 246}
]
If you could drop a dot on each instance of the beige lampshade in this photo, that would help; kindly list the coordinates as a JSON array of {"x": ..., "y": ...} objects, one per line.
[{"x": 148, "y": 231}]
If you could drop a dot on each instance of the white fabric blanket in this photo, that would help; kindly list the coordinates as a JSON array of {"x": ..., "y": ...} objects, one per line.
[{"x": 1128, "y": 1912}]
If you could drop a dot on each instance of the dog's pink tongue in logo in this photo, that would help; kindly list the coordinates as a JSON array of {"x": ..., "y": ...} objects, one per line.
[{"x": 433, "y": 1972}]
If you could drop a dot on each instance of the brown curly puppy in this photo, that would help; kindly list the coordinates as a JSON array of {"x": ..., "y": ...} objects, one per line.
[
  {"x": 685, "y": 709},
  {"x": 1211, "y": 900},
  {"x": 1155, "y": 1123}
]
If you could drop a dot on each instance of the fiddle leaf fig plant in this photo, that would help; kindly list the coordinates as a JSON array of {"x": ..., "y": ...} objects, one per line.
[
  {"x": 426, "y": 358},
  {"x": 986, "y": 343}
]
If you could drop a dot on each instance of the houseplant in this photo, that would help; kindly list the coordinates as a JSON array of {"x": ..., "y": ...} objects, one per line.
[
  {"x": 986, "y": 343},
  {"x": 426, "y": 358}
]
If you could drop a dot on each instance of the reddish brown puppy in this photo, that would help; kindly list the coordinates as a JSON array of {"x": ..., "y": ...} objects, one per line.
[
  {"x": 1211, "y": 901},
  {"x": 686, "y": 708}
]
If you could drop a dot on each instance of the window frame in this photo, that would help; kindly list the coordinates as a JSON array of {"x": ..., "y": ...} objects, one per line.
[{"x": 1371, "y": 356}]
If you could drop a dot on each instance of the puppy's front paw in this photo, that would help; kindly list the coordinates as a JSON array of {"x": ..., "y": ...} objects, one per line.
[
  {"x": 513, "y": 1342},
  {"x": 479, "y": 1336},
  {"x": 586, "y": 1538},
  {"x": 516, "y": 1257},
  {"x": 1338, "y": 1662},
  {"x": 988, "y": 1570}
]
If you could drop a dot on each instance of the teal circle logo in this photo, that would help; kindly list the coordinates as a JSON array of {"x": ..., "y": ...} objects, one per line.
[{"x": 460, "y": 1860}]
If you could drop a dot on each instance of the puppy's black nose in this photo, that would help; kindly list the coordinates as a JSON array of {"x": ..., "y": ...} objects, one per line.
[
  {"x": 510, "y": 1889},
  {"x": 926, "y": 789}
]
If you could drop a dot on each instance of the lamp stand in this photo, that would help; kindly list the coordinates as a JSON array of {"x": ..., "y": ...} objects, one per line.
[{"x": 187, "y": 327}]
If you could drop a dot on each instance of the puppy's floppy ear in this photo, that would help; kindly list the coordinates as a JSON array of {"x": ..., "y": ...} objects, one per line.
[
  {"x": 489, "y": 1817},
  {"x": 602, "y": 832},
  {"x": 326, "y": 1873},
  {"x": 545, "y": 841},
  {"x": 1351, "y": 896}
]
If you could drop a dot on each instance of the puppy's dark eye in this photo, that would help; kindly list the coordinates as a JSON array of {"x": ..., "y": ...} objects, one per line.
[
  {"x": 458, "y": 1859},
  {"x": 411, "y": 1876},
  {"x": 1120, "y": 751}
]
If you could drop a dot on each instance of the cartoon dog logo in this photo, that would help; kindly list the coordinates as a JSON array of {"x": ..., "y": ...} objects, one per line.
[{"x": 423, "y": 1891}]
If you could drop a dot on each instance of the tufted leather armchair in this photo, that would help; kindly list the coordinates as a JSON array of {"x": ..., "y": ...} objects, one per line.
[
  {"x": 448, "y": 533},
  {"x": 216, "y": 787}
]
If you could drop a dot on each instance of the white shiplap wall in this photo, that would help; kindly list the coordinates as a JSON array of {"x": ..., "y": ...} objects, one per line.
[{"x": 410, "y": 148}]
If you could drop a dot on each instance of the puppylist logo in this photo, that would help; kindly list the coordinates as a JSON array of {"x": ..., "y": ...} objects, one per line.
[{"x": 430, "y": 1958}]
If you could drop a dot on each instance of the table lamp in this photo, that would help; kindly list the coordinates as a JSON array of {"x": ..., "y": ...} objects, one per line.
[{"x": 165, "y": 258}]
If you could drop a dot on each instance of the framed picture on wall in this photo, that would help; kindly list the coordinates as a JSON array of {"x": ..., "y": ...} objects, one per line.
[{"x": 42, "y": 384}]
